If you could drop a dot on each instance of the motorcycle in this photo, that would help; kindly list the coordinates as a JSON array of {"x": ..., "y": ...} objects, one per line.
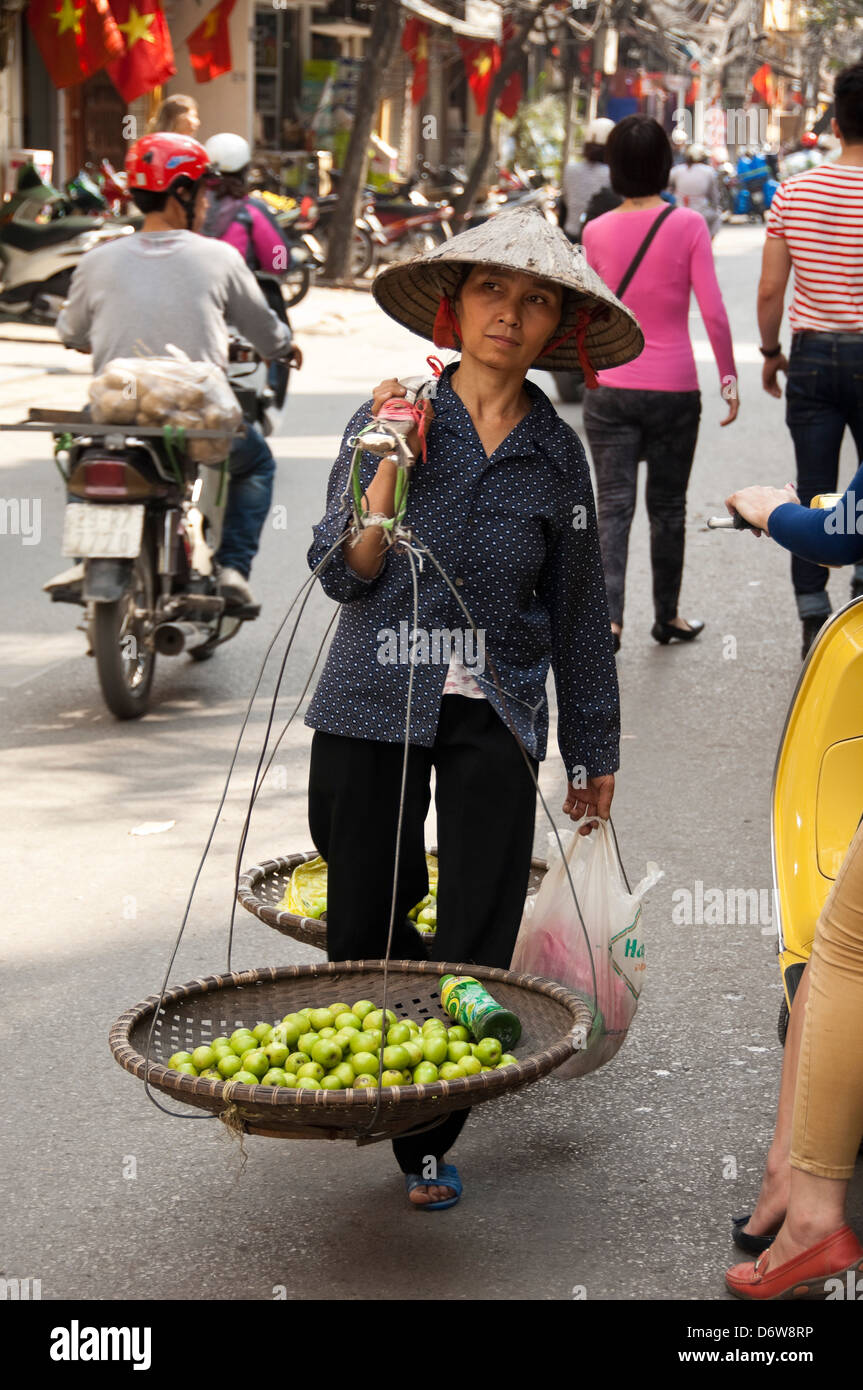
[
  {"x": 307, "y": 253},
  {"x": 411, "y": 225},
  {"x": 752, "y": 188},
  {"x": 366, "y": 240},
  {"x": 143, "y": 521},
  {"x": 815, "y": 797},
  {"x": 40, "y": 247},
  {"x": 38, "y": 260}
]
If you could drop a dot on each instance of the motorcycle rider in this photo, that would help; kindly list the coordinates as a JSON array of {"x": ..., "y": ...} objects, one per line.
[
  {"x": 246, "y": 222},
  {"x": 167, "y": 285},
  {"x": 235, "y": 215}
]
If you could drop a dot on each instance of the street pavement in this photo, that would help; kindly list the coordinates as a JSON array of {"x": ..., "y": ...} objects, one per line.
[{"x": 618, "y": 1186}]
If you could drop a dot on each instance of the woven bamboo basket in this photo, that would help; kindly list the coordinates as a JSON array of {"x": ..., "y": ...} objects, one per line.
[
  {"x": 552, "y": 1019},
  {"x": 262, "y": 887}
]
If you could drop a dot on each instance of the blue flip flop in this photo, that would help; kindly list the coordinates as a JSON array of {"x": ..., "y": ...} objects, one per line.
[{"x": 447, "y": 1176}]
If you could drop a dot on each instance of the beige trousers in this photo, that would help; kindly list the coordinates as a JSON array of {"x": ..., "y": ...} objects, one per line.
[{"x": 828, "y": 1102}]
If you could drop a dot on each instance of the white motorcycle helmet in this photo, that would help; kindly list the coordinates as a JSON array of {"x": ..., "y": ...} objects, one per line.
[
  {"x": 598, "y": 131},
  {"x": 228, "y": 153}
]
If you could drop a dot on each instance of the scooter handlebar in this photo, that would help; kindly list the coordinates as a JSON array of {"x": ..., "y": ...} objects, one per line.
[{"x": 727, "y": 523}]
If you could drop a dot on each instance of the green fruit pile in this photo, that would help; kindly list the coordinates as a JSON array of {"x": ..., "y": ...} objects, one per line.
[
  {"x": 341, "y": 1048},
  {"x": 424, "y": 915}
]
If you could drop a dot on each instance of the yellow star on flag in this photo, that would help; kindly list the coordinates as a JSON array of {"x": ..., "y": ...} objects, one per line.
[
  {"x": 422, "y": 49},
  {"x": 68, "y": 17},
  {"x": 482, "y": 63},
  {"x": 137, "y": 27}
]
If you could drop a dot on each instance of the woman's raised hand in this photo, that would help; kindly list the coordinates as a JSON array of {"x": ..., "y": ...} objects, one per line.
[
  {"x": 390, "y": 388},
  {"x": 384, "y": 391}
]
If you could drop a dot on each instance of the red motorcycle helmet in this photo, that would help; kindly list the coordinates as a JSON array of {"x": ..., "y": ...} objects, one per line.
[
  {"x": 809, "y": 140},
  {"x": 163, "y": 162}
]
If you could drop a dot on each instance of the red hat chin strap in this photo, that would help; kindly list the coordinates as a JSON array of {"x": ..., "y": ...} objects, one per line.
[
  {"x": 584, "y": 318},
  {"x": 445, "y": 333}
]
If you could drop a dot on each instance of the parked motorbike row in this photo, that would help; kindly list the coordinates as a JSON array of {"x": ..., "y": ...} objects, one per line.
[
  {"x": 402, "y": 221},
  {"x": 43, "y": 235}
]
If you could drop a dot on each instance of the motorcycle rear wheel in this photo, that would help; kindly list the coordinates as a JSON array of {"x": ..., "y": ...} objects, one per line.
[
  {"x": 362, "y": 253},
  {"x": 296, "y": 284},
  {"x": 124, "y": 663}
]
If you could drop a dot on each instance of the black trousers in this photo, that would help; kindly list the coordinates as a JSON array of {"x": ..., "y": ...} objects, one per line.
[
  {"x": 624, "y": 426},
  {"x": 486, "y": 806}
]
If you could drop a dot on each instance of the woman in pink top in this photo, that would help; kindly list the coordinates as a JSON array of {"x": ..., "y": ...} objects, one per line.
[
  {"x": 650, "y": 408},
  {"x": 237, "y": 217}
]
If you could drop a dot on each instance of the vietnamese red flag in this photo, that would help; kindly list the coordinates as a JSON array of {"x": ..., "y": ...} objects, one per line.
[
  {"x": 75, "y": 37},
  {"x": 764, "y": 84},
  {"x": 481, "y": 62},
  {"x": 149, "y": 57},
  {"x": 511, "y": 95},
  {"x": 210, "y": 44},
  {"x": 415, "y": 44}
]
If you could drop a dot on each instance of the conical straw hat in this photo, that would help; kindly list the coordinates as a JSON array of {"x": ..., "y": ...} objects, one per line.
[{"x": 519, "y": 239}]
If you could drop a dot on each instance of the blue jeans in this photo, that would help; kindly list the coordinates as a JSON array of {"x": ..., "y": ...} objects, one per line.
[
  {"x": 823, "y": 395},
  {"x": 251, "y": 469}
]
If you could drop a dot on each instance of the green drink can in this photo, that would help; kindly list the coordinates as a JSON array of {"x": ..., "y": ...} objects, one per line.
[{"x": 473, "y": 1007}]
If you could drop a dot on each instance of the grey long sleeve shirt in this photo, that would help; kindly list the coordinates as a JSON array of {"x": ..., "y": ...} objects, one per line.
[
  {"x": 517, "y": 535},
  {"x": 138, "y": 294}
]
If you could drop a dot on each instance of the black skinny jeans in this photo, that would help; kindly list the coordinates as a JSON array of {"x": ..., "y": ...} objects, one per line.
[
  {"x": 823, "y": 395},
  {"x": 486, "y": 808},
  {"x": 623, "y": 427}
]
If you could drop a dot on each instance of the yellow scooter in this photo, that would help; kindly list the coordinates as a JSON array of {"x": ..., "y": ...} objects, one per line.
[{"x": 817, "y": 796}]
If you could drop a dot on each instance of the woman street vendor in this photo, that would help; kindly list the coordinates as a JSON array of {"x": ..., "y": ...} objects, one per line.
[{"x": 500, "y": 494}]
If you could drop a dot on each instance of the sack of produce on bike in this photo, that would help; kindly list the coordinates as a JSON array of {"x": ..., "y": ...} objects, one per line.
[
  {"x": 551, "y": 941},
  {"x": 170, "y": 390}
]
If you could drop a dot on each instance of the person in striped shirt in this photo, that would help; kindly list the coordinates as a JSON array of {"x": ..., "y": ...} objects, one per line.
[{"x": 816, "y": 226}]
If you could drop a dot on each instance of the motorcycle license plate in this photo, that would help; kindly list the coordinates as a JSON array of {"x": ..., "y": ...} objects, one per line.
[{"x": 110, "y": 532}]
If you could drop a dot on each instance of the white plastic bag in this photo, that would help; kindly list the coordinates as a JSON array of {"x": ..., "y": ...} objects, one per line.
[
  {"x": 552, "y": 942},
  {"x": 170, "y": 390}
]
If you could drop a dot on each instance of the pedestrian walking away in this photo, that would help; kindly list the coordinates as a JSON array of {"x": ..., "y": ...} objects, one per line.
[
  {"x": 650, "y": 409},
  {"x": 816, "y": 227},
  {"x": 695, "y": 185},
  {"x": 503, "y": 500},
  {"x": 583, "y": 179}
]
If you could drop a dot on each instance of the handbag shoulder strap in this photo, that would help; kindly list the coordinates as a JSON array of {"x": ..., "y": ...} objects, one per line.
[{"x": 642, "y": 251}]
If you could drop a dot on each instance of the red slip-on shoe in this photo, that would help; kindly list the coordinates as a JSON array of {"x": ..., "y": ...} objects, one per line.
[{"x": 803, "y": 1277}]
